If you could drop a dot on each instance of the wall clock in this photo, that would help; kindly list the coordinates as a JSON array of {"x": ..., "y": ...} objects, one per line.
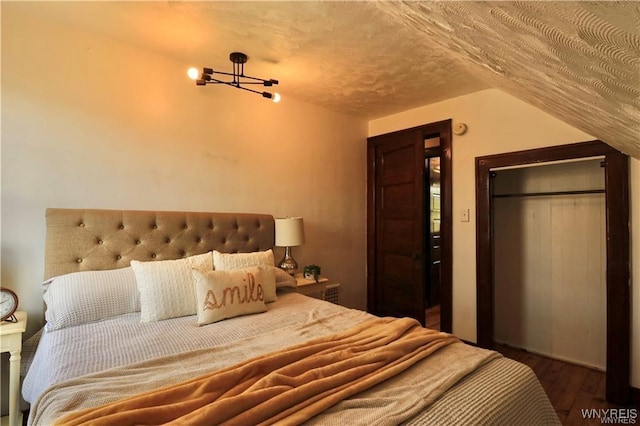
[{"x": 8, "y": 305}]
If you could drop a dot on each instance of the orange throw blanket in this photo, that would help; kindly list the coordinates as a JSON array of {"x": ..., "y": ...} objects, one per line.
[{"x": 287, "y": 387}]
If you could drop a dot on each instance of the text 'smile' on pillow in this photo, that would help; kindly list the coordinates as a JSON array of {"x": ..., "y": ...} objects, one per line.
[
  {"x": 227, "y": 294},
  {"x": 232, "y": 261}
]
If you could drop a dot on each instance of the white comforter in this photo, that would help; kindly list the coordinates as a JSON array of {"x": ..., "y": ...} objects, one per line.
[
  {"x": 66, "y": 359},
  {"x": 75, "y": 351}
]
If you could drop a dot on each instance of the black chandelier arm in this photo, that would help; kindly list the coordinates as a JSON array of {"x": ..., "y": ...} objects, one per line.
[
  {"x": 264, "y": 94},
  {"x": 237, "y": 77},
  {"x": 268, "y": 82},
  {"x": 228, "y": 83},
  {"x": 209, "y": 71},
  {"x": 232, "y": 84}
]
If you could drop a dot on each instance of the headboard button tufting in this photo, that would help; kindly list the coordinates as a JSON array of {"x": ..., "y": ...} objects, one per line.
[{"x": 116, "y": 237}]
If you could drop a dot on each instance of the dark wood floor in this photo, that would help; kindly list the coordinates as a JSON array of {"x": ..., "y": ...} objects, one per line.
[{"x": 571, "y": 388}]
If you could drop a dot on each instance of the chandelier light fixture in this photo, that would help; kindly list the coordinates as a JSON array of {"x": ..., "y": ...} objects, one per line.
[{"x": 238, "y": 59}]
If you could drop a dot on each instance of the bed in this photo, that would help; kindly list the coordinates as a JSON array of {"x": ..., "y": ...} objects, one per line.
[{"x": 119, "y": 327}]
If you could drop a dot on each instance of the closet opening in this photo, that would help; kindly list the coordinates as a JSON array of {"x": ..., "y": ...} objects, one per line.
[
  {"x": 616, "y": 310},
  {"x": 549, "y": 260}
]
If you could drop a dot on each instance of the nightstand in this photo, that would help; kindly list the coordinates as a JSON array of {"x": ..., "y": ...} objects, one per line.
[
  {"x": 11, "y": 341},
  {"x": 321, "y": 289}
]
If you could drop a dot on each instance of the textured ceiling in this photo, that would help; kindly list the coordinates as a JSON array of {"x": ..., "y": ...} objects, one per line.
[{"x": 578, "y": 61}]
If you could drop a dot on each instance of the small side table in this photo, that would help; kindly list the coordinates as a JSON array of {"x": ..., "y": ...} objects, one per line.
[
  {"x": 319, "y": 289},
  {"x": 11, "y": 341}
]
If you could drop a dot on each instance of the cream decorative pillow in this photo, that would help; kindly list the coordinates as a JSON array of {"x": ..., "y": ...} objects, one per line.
[
  {"x": 231, "y": 261},
  {"x": 166, "y": 286},
  {"x": 227, "y": 294}
]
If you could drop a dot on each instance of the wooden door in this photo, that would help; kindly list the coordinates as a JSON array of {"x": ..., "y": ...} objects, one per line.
[{"x": 399, "y": 226}]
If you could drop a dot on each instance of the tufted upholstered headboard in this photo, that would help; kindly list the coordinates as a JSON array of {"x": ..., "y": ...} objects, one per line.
[{"x": 84, "y": 240}]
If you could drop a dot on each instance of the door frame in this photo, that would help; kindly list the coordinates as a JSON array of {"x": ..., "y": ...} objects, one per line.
[
  {"x": 618, "y": 276},
  {"x": 443, "y": 130}
]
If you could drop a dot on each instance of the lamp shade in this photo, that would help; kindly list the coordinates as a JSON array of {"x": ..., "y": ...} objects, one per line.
[{"x": 289, "y": 232}]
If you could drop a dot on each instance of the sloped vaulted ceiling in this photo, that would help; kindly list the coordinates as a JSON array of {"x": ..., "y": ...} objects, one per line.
[{"x": 578, "y": 60}]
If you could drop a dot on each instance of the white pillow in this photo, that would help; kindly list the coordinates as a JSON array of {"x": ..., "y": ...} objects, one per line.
[
  {"x": 166, "y": 286},
  {"x": 82, "y": 297},
  {"x": 232, "y": 261},
  {"x": 229, "y": 261},
  {"x": 227, "y": 294}
]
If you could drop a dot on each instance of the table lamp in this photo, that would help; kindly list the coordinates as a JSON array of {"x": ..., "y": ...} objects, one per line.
[{"x": 289, "y": 233}]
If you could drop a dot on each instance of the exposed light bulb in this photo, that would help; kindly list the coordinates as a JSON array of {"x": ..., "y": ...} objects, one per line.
[
  {"x": 276, "y": 98},
  {"x": 193, "y": 73}
]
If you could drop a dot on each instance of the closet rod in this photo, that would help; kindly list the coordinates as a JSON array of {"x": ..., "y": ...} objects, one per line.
[{"x": 547, "y": 194}]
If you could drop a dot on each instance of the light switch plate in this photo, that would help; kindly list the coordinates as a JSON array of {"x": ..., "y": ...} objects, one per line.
[{"x": 464, "y": 215}]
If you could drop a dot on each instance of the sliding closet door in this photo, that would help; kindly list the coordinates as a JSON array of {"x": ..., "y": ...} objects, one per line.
[{"x": 550, "y": 260}]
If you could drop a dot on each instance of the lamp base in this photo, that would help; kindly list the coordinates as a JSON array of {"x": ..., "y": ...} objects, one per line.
[{"x": 288, "y": 263}]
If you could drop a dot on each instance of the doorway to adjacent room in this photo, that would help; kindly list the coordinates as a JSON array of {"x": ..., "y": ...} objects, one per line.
[{"x": 409, "y": 224}]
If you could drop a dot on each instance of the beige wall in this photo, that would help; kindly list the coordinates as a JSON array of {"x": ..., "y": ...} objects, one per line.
[
  {"x": 497, "y": 122},
  {"x": 89, "y": 122}
]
